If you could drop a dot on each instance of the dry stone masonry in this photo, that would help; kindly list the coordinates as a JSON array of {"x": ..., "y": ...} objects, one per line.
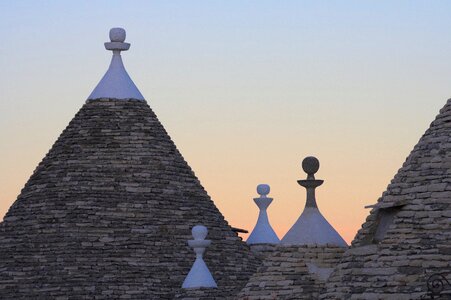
[{"x": 108, "y": 212}]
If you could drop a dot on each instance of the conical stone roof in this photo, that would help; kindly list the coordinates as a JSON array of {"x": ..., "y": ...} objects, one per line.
[
  {"x": 108, "y": 212},
  {"x": 407, "y": 236}
]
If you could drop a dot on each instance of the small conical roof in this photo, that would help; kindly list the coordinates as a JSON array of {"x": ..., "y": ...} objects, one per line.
[
  {"x": 107, "y": 214},
  {"x": 312, "y": 228},
  {"x": 407, "y": 235}
]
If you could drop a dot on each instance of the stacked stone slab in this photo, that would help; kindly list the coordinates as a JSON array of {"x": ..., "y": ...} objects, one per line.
[
  {"x": 108, "y": 212},
  {"x": 407, "y": 236},
  {"x": 292, "y": 272},
  {"x": 206, "y": 294}
]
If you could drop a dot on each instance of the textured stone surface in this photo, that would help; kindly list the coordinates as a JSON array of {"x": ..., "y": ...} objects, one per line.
[
  {"x": 205, "y": 294},
  {"x": 417, "y": 243},
  {"x": 107, "y": 215},
  {"x": 291, "y": 272}
]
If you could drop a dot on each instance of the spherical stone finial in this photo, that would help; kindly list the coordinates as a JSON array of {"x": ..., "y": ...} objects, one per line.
[
  {"x": 117, "y": 35},
  {"x": 199, "y": 232},
  {"x": 310, "y": 165},
  {"x": 263, "y": 189}
]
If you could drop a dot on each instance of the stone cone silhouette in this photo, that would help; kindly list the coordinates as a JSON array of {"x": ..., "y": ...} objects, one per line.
[
  {"x": 407, "y": 235},
  {"x": 108, "y": 211}
]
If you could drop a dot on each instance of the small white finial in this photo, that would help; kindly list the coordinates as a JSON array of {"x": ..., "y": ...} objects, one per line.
[
  {"x": 116, "y": 83},
  {"x": 117, "y": 34},
  {"x": 263, "y": 232},
  {"x": 117, "y": 38},
  {"x": 263, "y": 190},
  {"x": 199, "y": 232},
  {"x": 199, "y": 275}
]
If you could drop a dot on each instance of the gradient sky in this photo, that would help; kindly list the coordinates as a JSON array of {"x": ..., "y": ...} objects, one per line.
[{"x": 246, "y": 89}]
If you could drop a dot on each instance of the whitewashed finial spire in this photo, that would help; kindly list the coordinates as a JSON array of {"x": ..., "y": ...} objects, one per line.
[
  {"x": 116, "y": 83},
  {"x": 263, "y": 232},
  {"x": 312, "y": 228},
  {"x": 199, "y": 275}
]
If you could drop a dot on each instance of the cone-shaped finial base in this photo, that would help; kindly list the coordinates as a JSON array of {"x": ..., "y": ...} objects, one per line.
[
  {"x": 199, "y": 276},
  {"x": 311, "y": 228},
  {"x": 116, "y": 83}
]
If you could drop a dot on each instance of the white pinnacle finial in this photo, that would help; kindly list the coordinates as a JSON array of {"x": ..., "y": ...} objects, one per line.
[
  {"x": 117, "y": 38},
  {"x": 263, "y": 232},
  {"x": 263, "y": 190},
  {"x": 312, "y": 228},
  {"x": 116, "y": 83},
  {"x": 199, "y": 275},
  {"x": 117, "y": 34}
]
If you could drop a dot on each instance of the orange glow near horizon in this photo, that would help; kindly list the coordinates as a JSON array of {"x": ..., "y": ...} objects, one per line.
[{"x": 232, "y": 182}]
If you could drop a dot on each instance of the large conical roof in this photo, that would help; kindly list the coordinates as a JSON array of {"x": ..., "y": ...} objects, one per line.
[
  {"x": 108, "y": 212},
  {"x": 407, "y": 236}
]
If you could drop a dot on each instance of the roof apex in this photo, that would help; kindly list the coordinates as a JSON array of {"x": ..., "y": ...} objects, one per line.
[
  {"x": 116, "y": 83},
  {"x": 311, "y": 227}
]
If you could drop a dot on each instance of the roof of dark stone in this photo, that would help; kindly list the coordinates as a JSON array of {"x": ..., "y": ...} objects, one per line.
[
  {"x": 417, "y": 242},
  {"x": 108, "y": 212}
]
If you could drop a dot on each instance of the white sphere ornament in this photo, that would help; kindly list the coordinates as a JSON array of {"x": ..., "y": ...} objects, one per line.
[
  {"x": 263, "y": 189},
  {"x": 199, "y": 232},
  {"x": 117, "y": 34}
]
